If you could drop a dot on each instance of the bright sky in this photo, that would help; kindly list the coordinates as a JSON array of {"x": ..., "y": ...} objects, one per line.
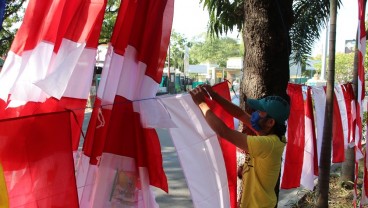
[{"x": 190, "y": 19}]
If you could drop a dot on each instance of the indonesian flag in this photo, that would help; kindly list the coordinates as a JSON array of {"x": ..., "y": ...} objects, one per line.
[
  {"x": 294, "y": 151},
  {"x": 347, "y": 90},
  {"x": 338, "y": 135},
  {"x": 310, "y": 163},
  {"x": 208, "y": 163},
  {"x": 319, "y": 97},
  {"x": 122, "y": 146},
  {"x": 228, "y": 149},
  {"x": 38, "y": 168},
  {"x": 360, "y": 97},
  {"x": 50, "y": 64},
  {"x": 342, "y": 109}
]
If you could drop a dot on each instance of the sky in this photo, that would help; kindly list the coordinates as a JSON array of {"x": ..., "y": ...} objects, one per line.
[{"x": 190, "y": 20}]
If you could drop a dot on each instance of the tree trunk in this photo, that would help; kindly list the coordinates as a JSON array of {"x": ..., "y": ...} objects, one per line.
[
  {"x": 267, "y": 47},
  {"x": 325, "y": 159}
]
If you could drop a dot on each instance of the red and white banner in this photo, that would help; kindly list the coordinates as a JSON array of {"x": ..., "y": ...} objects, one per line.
[
  {"x": 200, "y": 154},
  {"x": 294, "y": 151},
  {"x": 50, "y": 64},
  {"x": 122, "y": 146},
  {"x": 360, "y": 98},
  {"x": 310, "y": 162}
]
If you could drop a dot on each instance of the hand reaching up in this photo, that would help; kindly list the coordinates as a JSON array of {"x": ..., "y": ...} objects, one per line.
[{"x": 198, "y": 95}]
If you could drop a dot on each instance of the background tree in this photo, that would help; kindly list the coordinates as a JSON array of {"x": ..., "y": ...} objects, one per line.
[
  {"x": 269, "y": 37},
  {"x": 12, "y": 18},
  {"x": 178, "y": 44},
  {"x": 215, "y": 50},
  {"x": 111, "y": 12},
  {"x": 344, "y": 67}
]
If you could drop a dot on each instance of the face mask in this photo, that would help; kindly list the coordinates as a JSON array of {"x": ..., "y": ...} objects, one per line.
[{"x": 254, "y": 120}]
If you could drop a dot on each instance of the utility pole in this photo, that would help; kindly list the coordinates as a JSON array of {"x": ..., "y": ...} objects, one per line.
[{"x": 325, "y": 159}]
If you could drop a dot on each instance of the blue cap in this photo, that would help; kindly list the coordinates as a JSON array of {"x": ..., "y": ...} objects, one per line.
[{"x": 275, "y": 106}]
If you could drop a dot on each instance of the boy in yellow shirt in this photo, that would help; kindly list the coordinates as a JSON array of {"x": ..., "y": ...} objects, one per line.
[{"x": 263, "y": 152}]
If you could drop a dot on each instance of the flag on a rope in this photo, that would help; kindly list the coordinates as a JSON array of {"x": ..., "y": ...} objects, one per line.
[{"x": 121, "y": 143}]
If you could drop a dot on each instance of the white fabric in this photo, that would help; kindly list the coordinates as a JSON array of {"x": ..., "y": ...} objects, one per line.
[
  {"x": 61, "y": 69},
  {"x": 110, "y": 77},
  {"x": 9, "y": 73},
  {"x": 18, "y": 80},
  {"x": 153, "y": 114},
  {"x": 134, "y": 84},
  {"x": 319, "y": 97},
  {"x": 358, "y": 129},
  {"x": 353, "y": 118},
  {"x": 344, "y": 115},
  {"x": 199, "y": 153},
  {"x": 102, "y": 184},
  {"x": 307, "y": 177}
]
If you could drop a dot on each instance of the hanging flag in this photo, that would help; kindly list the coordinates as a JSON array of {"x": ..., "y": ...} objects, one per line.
[
  {"x": 310, "y": 163},
  {"x": 294, "y": 152},
  {"x": 2, "y": 13},
  {"x": 228, "y": 149},
  {"x": 50, "y": 64},
  {"x": 37, "y": 161},
  {"x": 360, "y": 97},
  {"x": 338, "y": 144},
  {"x": 347, "y": 90},
  {"x": 199, "y": 153},
  {"x": 121, "y": 143}
]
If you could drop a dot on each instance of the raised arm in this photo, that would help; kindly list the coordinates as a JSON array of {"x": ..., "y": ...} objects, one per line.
[
  {"x": 228, "y": 106},
  {"x": 217, "y": 125}
]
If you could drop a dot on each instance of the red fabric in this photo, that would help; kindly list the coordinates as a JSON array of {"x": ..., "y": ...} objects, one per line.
[
  {"x": 361, "y": 89},
  {"x": 228, "y": 149},
  {"x": 338, "y": 155},
  {"x": 127, "y": 137},
  {"x": 348, "y": 92},
  {"x": 36, "y": 155},
  {"x": 76, "y": 106},
  {"x": 52, "y": 20},
  {"x": 97, "y": 132},
  {"x": 147, "y": 29},
  {"x": 145, "y": 26},
  {"x": 294, "y": 155},
  {"x": 309, "y": 113}
]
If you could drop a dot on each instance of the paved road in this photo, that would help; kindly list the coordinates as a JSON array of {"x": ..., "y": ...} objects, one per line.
[{"x": 178, "y": 196}]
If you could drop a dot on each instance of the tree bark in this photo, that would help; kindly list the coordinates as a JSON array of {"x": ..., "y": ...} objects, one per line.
[{"x": 267, "y": 47}]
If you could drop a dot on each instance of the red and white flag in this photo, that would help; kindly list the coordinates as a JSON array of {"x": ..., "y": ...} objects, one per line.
[
  {"x": 294, "y": 151},
  {"x": 209, "y": 164},
  {"x": 50, "y": 64},
  {"x": 310, "y": 162},
  {"x": 48, "y": 69},
  {"x": 360, "y": 98},
  {"x": 122, "y": 146}
]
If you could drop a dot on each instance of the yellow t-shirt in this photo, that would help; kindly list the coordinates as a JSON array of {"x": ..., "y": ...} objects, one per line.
[
  {"x": 261, "y": 171},
  {"x": 4, "y": 201}
]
